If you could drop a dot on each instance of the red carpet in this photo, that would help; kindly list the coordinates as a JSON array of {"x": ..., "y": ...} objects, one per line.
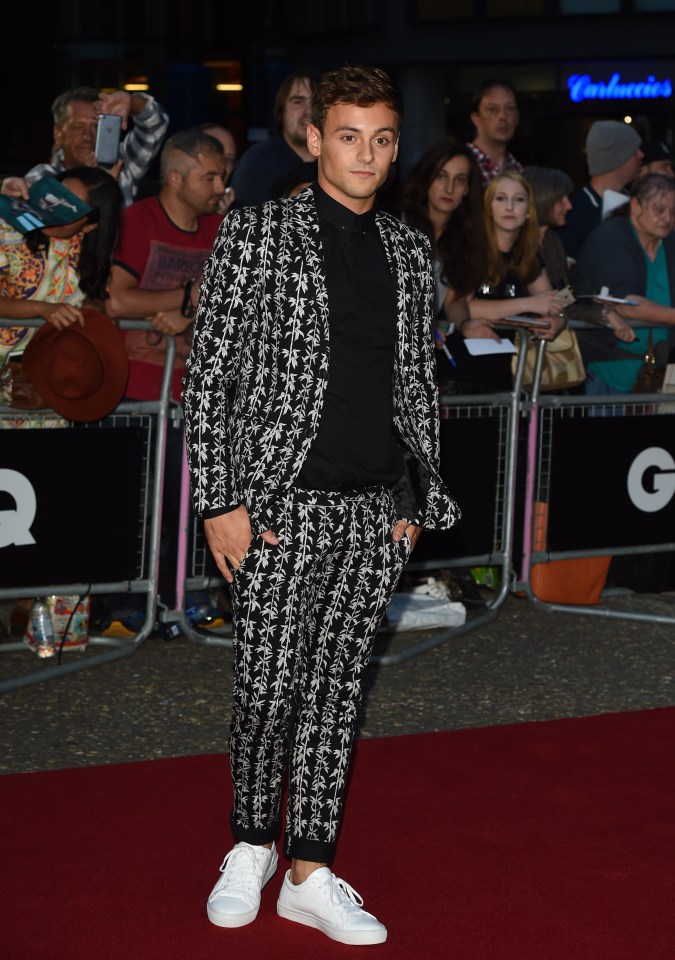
[{"x": 539, "y": 841}]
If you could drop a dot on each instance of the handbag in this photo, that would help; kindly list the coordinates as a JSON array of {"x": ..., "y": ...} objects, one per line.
[
  {"x": 562, "y": 366},
  {"x": 650, "y": 377},
  {"x": 16, "y": 390}
]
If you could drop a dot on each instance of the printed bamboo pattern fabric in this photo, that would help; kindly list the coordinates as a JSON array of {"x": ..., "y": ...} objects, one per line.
[
  {"x": 306, "y": 613},
  {"x": 258, "y": 369}
]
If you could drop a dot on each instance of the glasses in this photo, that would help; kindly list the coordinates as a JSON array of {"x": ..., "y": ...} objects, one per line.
[{"x": 659, "y": 210}]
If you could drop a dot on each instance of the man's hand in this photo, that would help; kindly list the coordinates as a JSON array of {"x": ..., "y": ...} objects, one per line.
[
  {"x": 15, "y": 187},
  {"x": 411, "y": 530},
  {"x": 170, "y": 322},
  {"x": 118, "y": 103},
  {"x": 229, "y": 537}
]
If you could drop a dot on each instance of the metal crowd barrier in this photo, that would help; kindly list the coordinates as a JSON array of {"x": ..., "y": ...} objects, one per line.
[
  {"x": 192, "y": 568},
  {"x": 600, "y": 483},
  {"x": 147, "y": 421},
  {"x": 479, "y": 442},
  {"x": 490, "y": 493}
]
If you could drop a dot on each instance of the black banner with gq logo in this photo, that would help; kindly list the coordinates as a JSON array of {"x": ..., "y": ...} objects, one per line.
[
  {"x": 612, "y": 482},
  {"x": 69, "y": 505}
]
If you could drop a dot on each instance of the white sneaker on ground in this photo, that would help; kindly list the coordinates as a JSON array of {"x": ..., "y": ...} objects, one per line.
[
  {"x": 327, "y": 903},
  {"x": 235, "y": 899}
]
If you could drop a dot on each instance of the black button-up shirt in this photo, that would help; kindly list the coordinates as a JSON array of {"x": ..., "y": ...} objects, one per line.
[{"x": 355, "y": 444}]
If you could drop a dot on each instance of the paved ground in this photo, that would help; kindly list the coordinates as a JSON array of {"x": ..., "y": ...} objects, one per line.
[{"x": 172, "y": 698}]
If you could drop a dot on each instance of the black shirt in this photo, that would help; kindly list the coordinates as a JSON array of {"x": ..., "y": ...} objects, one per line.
[{"x": 355, "y": 444}]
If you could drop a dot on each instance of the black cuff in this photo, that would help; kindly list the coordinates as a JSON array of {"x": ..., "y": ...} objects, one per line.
[
  {"x": 219, "y": 511},
  {"x": 256, "y": 836},
  {"x": 316, "y": 851}
]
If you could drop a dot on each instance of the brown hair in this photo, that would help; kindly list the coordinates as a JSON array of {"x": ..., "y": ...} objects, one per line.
[
  {"x": 461, "y": 246},
  {"x": 281, "y": 97},
  {"x": 361, "y": 86},
  {"x": 524, "y": 257}
]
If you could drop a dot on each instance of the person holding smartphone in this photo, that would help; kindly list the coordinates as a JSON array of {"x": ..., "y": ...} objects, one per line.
[{"x": 76, "y": 115}]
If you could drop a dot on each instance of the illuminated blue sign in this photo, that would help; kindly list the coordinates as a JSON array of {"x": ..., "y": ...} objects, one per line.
[{"x": 581, "y": 87}]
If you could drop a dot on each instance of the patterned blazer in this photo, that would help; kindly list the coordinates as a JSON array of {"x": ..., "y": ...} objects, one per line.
[{"x": 258, "y": 369}]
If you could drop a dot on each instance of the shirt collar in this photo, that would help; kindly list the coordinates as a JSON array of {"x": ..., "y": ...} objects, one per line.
[{"x": 341, "y": 217}]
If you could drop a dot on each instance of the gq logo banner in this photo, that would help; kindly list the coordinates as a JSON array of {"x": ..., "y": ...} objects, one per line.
[
  {"x": 612, "y": 482},
  {"x": 15, "y": 524},
  {"x": 69, "y": 505},
  {"x": 651, "y": 479}
]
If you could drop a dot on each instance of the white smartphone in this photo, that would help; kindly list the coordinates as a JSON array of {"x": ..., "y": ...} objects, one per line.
[{"x": 108, "y": 134}]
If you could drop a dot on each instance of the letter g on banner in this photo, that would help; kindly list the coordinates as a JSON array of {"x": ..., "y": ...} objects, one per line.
[
  {"x": 661, "y": 463},
  {"x": 15, "y": 524}
]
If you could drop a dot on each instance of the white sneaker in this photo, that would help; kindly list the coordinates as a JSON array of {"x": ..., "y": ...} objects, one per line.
[
  {"x": 235, "y": 899},
  {"x": 327, "y": 903}
]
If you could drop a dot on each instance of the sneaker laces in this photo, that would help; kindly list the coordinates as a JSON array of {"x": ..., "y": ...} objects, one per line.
[
  {"x": 341, "y": 894},
  {"x": 238, "y": 864}
]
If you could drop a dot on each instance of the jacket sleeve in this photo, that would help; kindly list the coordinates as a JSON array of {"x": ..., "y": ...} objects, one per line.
[
  {"x": 141, "y": 145},
  {"x": 610, "y": 257},
  {"x": 223, "y": 321}
]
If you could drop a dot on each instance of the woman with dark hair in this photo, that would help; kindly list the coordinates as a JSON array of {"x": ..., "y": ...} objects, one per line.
[
  {"x": 442, "y": 197},
  {"x": 52, "y": 272},
  {"x": 551, "y": 189},
  {"x": 49, "y": 273}
]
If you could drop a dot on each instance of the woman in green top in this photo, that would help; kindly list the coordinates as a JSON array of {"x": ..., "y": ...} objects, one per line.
[{"x": 634, "y": 256}]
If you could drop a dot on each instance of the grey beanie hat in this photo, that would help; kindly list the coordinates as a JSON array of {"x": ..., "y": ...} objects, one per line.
[{"x": 609, "y": 144}]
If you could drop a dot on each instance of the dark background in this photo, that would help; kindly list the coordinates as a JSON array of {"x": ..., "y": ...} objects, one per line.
[{"x": 440, "y": 50}]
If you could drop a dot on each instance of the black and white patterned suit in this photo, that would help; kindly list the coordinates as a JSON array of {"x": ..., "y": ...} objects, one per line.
[{"x": 305, "y": 611}]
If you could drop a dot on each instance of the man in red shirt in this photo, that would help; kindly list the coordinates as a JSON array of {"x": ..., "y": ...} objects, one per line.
[{"x": 164, "y": 242}]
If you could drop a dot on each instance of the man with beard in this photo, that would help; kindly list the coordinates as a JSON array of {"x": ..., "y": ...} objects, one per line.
[{"x": 265, "y": 162}]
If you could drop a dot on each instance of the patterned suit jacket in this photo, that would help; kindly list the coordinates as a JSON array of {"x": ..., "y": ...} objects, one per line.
[{"x": 258, "y": 369}]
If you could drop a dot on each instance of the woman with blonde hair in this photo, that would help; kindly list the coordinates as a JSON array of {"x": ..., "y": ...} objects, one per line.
[{"x": 515, "y": 281}]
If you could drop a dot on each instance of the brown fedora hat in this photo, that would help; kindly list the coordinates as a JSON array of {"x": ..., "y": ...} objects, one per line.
[{"x": 80, "y": 372}]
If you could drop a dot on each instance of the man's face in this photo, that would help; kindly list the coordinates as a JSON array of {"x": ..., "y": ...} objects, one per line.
[
  {"x": 202, "y": 187},
  {"x": 630, "y": 169},
  {"x": 297, "y": 113},
  {"x": 664, "y": 167},
  {"x": 229, "y": 148},
  {"x": 357, "y": 147},
  {"x": 76, "y": 137},
  {"x": 497, "y": 117}
]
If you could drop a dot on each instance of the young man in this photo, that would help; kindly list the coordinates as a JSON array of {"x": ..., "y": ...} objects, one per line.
[
  {"x": 495, "y": 117},
  {"x": 297, "y": 460},
  {"x": 264, "y": 163}
]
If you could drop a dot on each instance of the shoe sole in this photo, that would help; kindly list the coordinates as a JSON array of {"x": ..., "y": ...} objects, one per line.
[
  {"x": 240, "y": 919},
  {"x": 357, "y": 938}
]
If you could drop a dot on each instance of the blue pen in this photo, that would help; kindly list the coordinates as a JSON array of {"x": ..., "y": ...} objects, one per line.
[{"x": 440, "y": 339}]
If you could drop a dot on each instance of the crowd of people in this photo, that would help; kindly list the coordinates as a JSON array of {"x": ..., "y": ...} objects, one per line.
[
  {"x": 506, "y": 240},
  {"x": 315, "y": 470}
]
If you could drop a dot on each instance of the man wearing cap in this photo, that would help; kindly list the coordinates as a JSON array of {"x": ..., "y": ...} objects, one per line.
[
  {"x": 613, "y": 156},
  {"x": 656, "y": 158}
]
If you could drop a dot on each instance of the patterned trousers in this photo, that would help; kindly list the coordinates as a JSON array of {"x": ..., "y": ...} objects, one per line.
[{"x": 305, "y": 617}]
